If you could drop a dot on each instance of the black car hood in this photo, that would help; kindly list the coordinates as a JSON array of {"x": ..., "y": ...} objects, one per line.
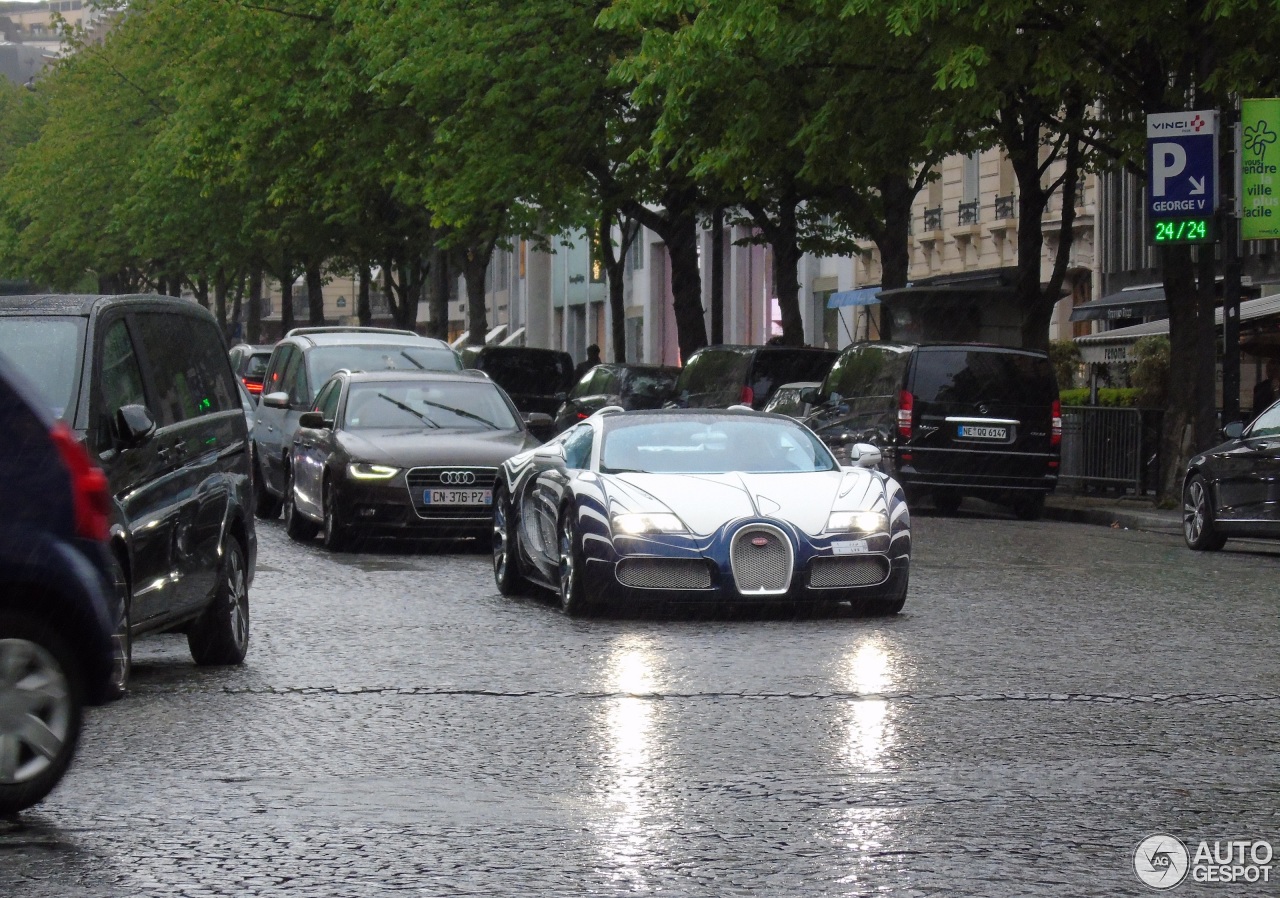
[{"x": 408, "y": 448}]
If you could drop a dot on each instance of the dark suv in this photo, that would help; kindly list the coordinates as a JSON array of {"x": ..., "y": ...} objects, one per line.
[
  {"x": 58, "y": 606},
  {"x": 721, "y": 376},
  {"x": 953, "y": 420},
  {"x": 145, "y": 384},
  {"x": 537, "y": 380},
  {"x": 299, "y": 366}
]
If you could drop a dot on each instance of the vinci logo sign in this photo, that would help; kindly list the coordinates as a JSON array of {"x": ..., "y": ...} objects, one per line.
[
  {"x": 1260, "y": 169},
  {"x": 1182, "y": 164}
]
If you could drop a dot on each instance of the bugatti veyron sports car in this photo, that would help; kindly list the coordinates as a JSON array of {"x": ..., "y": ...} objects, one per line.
[{"x": 699, "y": 505}]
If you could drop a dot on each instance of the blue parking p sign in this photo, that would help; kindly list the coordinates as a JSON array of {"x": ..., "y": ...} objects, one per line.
[{"x": 1182, "y": 164}]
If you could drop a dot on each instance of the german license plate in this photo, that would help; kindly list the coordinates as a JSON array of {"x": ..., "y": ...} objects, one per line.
[
  {"x": 974, "y": 432},
  {"x": 457, "y": 497}
]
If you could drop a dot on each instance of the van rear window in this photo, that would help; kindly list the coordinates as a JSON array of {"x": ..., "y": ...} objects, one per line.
[
  {"x": 983, "y": 375},
  {"x": 773, "y": 369},
  {"x": 48, "y": 351}
]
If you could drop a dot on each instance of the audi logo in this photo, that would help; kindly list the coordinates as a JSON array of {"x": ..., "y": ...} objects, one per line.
[{"x": 457, "y": 478}]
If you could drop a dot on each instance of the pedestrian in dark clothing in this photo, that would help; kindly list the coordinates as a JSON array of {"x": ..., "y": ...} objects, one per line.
[
  {"x": 593, "y": 359},
  {"x": 1268, "y": 389}
]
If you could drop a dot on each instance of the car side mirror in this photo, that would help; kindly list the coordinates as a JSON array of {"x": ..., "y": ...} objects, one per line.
[
  {"x": 809, "y": 395},
  {"x": 551, "y": 451},
  {"x": 278, "y": 400},
  {"x": 1233, "y": 430},
  {"x": 134, "y": 425},
  {"x": 534, "y": 420},
  {"x": 314, "y": 420},
  {"x": 864, "y": 455}
]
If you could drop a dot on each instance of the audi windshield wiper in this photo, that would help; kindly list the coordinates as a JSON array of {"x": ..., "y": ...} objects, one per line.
[
  {"x": 461, "y": 413},
  {"x": 410, "y": 409}
]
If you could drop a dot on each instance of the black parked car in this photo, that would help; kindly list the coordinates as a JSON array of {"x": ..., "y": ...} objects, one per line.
[
  {"x": 400, "y": 454},
  {"x": 145, "y": 384},
  {"x": 537, "y": 380},
  {"x": 58, "y": 606},
  {"x": 249, "y": 362},
  {"x": 299, "y": 365},
  {"x": 721, "y": 376},
  {"x": 628, "y": 387},
  {"x": 1231, "y": 490},
  {"x": 953, "y": 420}
]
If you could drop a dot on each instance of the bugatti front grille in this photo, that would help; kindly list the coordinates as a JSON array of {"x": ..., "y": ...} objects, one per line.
[
  {"x": 868, "y": 570},
  {"x": 761, "y": 559},
  {"x": 664, "y": 573},
  {"x": 464, "y": 482}
]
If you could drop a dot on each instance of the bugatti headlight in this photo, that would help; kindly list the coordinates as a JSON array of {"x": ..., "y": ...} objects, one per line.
[
  {"x": 653, "y": 522},
  {"x": 359, "y": 470},
  {"x": 857, "y": 522}
]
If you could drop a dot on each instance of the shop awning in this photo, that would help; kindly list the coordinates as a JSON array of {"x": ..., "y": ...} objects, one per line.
[
  {"x": 1135, "y": 302},
  {"x": 1113, "y": 345},
  {"x": 863, "y": 296}
]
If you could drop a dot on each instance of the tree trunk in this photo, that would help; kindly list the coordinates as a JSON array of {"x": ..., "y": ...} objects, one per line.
[
  {"x": 253, "y": 329},
  {"x": 364, "y": 308},
  {"x": 474, "y": 267},
  {"x": 438, "y": 303},
  {"x": 201, "y": 291},
  {"x": 235, "y": 317},
  {"x": 686, "y": 285},
  {"x": 1180, "y": 414},
  {"x": 717, "y": 276},
  {"x": 220, "y": 290},
  {"x": 315, "y": 296},
  {"x": 677, "y": 225},
  {"x": 615, "y": 264}
]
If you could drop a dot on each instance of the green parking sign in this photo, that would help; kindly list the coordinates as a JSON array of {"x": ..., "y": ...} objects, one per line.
[{"x": 1260, "y": 169}]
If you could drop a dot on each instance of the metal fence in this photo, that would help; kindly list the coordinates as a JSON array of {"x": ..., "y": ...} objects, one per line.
[{"x": 1112, "y": 448}]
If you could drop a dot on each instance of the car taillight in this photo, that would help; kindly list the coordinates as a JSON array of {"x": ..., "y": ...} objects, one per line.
[
  {"x": 251, "y": 386},
  {"x": 1055, "y": 431},
  {"x": 905, "y": 403},
  {"x": 748, "y": 396},
  {"x": 91, "y": 498},
  {"x": 582, "y": 416}
]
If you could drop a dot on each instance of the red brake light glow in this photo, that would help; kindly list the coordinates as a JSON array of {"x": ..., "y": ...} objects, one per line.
[
  {"x": 748, "y": 396},
  {"x": 89, "y": 491},
  {"x": 251, "y": 386},
  {"x": 905, "y": 403},
  {"x": 1055, "y": 432}
]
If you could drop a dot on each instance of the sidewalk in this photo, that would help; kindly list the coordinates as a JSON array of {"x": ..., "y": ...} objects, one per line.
[{"x": 1129, "y": 512}]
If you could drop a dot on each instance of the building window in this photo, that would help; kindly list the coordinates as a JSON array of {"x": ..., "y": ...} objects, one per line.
[
  {"x": 972, "y": 188},
  {"x": 635, "y": 253}
]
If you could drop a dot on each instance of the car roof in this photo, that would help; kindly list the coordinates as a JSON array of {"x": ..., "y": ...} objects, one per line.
[
  {"x": 614, "y": 415},
  {"x": 85, "y": 304},
  {"x": 463, "y": 376},
  {"x": 255, "y": 348},
  {"x": 365, "y": 338}
]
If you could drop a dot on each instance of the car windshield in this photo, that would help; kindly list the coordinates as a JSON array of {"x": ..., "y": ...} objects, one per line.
[
  {"x": 657, "y": 384},
  {"x": 711, "y": 445},
  {"x": 48, "y": 351},
  {"x": 322, "y": 361},
  {"x": 435, "y": 405},
  {"x": 256, "y": 364}
]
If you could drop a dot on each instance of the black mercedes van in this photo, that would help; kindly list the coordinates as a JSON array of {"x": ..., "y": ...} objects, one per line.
[{"x": 951, "y": 420}]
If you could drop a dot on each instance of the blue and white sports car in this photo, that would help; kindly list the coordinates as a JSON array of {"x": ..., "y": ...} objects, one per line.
[{"x": 699, "y": 505}]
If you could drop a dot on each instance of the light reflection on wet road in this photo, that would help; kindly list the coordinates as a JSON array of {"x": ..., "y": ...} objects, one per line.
[{"x": 1052, "y": 694}]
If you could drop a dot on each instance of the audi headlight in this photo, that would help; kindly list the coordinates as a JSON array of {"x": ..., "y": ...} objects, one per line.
[
  {"x": 654, "y": 522},
  {"x": 857, "y": 522},
  {"x": 359, "y": 470}
]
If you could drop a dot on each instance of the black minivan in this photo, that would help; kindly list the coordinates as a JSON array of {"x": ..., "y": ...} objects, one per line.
[
  {"x": 951, "y": 420},
  {"x": 145, "y": 385}
]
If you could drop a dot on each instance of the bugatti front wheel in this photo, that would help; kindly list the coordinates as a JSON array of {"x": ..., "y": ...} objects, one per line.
[
  {"x": 890, "y": 602},
  {"x": 573, "y": 600}
]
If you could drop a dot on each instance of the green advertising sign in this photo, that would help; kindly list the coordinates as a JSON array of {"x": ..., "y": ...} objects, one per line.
[{"x": 1260, "y": 169}]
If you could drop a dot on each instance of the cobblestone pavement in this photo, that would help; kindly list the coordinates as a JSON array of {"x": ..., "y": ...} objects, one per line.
[{"x": 1052, "y": 694}]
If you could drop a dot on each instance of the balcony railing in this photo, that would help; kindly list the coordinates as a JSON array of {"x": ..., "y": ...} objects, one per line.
[
  {"x": 933, "y": 219},
  {"x": 1006, "y": 207},
  {"x": 968, "y": 213}
]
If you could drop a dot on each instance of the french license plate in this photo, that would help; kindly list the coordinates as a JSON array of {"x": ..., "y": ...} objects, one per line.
[
  {"x": 973, "y": 432},
  {"x": 457, "y": 497}
]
